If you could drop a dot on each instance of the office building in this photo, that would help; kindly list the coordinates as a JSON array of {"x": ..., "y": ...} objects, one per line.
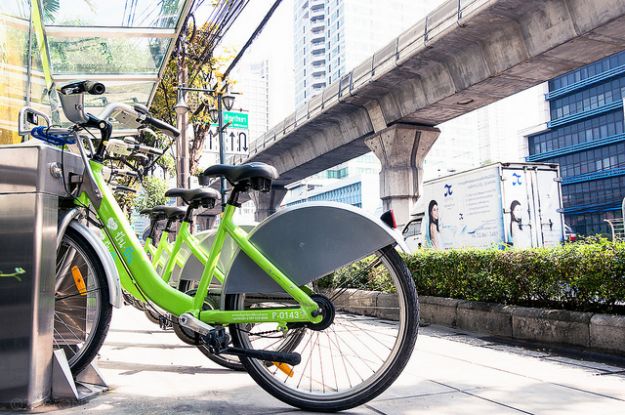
[
  {"x": 360, "y": 190},
  {"x": 585, "y": 136},
  {"x": 252, "y": 80}
]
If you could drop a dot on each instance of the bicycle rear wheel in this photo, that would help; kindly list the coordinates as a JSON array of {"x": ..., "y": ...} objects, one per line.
[
  {"x": 82, "y": 310},
  {"x": 366, "y": 339}
]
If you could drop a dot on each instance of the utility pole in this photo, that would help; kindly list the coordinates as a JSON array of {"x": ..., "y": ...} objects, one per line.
[
  {"x": 182, "y": 145},
  {"x": 222, "y": 151}
]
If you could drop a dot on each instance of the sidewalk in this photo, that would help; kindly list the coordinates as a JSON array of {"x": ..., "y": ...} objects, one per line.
[{"x": 151, "y": 372}]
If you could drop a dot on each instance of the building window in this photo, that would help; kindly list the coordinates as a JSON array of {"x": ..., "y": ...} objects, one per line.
[{"x": 587, "y": 131}]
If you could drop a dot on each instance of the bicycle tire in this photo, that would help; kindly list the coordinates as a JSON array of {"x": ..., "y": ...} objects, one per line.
[
  {"x": 81, "y": 354},
  {"x": 324, "y": 399}
]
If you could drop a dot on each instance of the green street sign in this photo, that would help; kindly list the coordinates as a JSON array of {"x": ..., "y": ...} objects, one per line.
[{"x": 238, "y": 119}]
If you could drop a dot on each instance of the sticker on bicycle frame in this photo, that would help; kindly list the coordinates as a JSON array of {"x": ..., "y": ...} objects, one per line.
[
  {"x": 111, "y": 224},
  {"x": 17, "y": 274},
  {"x": 283, "y": 315},
  {"x": 128, "y": 254},
  {"x": 243, "y": 316}
]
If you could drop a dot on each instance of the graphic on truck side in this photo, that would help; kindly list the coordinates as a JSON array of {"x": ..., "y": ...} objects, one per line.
[{"x": 504, "y": 204}]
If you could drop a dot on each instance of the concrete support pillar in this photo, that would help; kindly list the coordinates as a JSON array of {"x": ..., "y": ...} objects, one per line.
[
  {"x": 267, "y": 203},
  {"x": 401, "y": 149}
]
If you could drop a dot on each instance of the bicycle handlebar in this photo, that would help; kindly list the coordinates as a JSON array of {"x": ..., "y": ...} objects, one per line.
[
  {"x": 147, "y": 149},
  {"x": 167, "y": 129},
  {"x": 124, "y": 148},
  {"x": 130, "y": 117}
]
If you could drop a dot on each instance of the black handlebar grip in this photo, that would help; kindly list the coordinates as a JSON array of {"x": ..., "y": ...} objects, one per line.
[
  {"x": 94, "y": 88},
  {"x": 163, "y": 126},
  {"x": 90, "y": 87}
]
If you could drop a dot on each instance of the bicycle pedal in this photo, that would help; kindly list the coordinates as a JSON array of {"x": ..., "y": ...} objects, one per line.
[
  {"x": 217, "y": 340},
  {"x": 164, "y": 322}
]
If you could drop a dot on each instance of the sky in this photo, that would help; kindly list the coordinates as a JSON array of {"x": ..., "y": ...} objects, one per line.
[{"x": 275, "y": 43}]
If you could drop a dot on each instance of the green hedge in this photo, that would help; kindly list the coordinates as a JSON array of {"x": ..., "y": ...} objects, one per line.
[{"x": 586, "y": 276}]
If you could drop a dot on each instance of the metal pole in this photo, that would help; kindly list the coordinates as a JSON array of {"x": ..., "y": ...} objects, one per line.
[
  {"x": 182, "y": 145},
  {"x": 222, "y": 152}
]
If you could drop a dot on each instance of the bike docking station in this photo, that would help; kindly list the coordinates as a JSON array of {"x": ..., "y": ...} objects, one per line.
[{"x": 33, "y": 180}]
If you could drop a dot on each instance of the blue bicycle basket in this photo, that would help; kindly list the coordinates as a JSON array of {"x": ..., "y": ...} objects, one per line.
[{"x": 56, "y": 136}]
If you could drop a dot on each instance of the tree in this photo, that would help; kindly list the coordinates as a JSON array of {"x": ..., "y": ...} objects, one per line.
[
  {"x": 209, "y": 76},
  {"x": 153, "y": 194}
]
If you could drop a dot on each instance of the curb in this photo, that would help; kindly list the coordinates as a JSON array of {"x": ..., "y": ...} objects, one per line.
[{"x": 601, "y": 332}]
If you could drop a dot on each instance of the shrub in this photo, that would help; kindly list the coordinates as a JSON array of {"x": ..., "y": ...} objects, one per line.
[{"x": 587, "y": 276}]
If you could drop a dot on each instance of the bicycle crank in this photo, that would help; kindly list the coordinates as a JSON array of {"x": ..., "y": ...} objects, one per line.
[{"x": 217, "y": 341}]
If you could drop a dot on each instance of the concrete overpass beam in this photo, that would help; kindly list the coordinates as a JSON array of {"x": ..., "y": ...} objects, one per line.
[
  {"x": 401, "y": 149},
  {"x": 267, "y": 203},
  {"x": 376, "y": 115}
]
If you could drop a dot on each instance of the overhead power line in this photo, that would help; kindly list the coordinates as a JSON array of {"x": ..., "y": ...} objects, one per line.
[
  {"x": 257, "y": 32},
  {"x": 217, "y": 25}
]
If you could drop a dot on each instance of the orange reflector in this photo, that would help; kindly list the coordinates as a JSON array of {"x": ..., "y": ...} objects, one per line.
[
  {"x": 288, "y": 370},
  {"x": 79, "y": 280}
]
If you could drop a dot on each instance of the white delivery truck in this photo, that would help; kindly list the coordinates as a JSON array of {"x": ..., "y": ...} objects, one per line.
[{"x": 514, "y": 204}]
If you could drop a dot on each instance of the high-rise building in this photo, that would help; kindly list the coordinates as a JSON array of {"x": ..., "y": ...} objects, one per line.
[
  {"x": 333, "y": 36},
  {"x": 359, "y": 190},
  {"x": 253, "y": 81},
  {"x": 586, "y": 137}
]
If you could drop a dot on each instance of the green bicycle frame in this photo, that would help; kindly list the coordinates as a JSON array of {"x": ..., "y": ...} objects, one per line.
[
  {"x": 139, "y": 275},
  {"x": 163, "y": 246},
  {"x": 185, "y": 237},
  {"x": 163, "y": 253}
]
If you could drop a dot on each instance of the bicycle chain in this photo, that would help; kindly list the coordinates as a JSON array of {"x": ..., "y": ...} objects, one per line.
[{"x": 260, "y": 333}]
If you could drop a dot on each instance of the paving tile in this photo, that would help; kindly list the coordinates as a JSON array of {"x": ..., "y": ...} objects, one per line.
[
  {"x": 152, "y": 372},
  {"x": 456, "y": 403},
  {"x": 545, "y": 398}
]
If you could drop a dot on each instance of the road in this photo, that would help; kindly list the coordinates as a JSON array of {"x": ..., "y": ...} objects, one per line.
[{"x": 451, "y": 372}]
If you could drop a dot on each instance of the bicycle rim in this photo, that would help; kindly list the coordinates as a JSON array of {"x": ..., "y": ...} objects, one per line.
[
  {"x": 360, "y": 353},
  {"x": 78, "y": 310}
]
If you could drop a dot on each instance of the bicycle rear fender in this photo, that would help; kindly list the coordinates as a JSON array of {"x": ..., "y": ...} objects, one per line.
[
  {"x": 115, "y": 291},
  {"x": 306, "y": 242}
]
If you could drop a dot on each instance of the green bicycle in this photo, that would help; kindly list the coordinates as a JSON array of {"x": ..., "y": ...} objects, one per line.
[
  {"x": 167, "y": 257},
  {"x": 305, "y": 268},
  {"x": 159, "y": 253}
]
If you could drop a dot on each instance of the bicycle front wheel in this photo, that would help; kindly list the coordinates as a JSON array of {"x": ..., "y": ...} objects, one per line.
[
  {"x": 82, "y": 310},
  {"x": 369, "y": 330}
]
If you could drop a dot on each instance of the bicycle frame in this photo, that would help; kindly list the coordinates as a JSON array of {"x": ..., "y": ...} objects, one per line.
[
  {"x": 141, "y": 276},
  {"x": 149, "y": 247},
  {"x": 185, "y": 237},
  {"x": 163, "y": 253}
]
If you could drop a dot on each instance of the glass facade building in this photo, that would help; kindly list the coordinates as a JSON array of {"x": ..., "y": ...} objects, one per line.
[
  {"x": 350, "y": 194},
  {"x": 586, "y": 137}
]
